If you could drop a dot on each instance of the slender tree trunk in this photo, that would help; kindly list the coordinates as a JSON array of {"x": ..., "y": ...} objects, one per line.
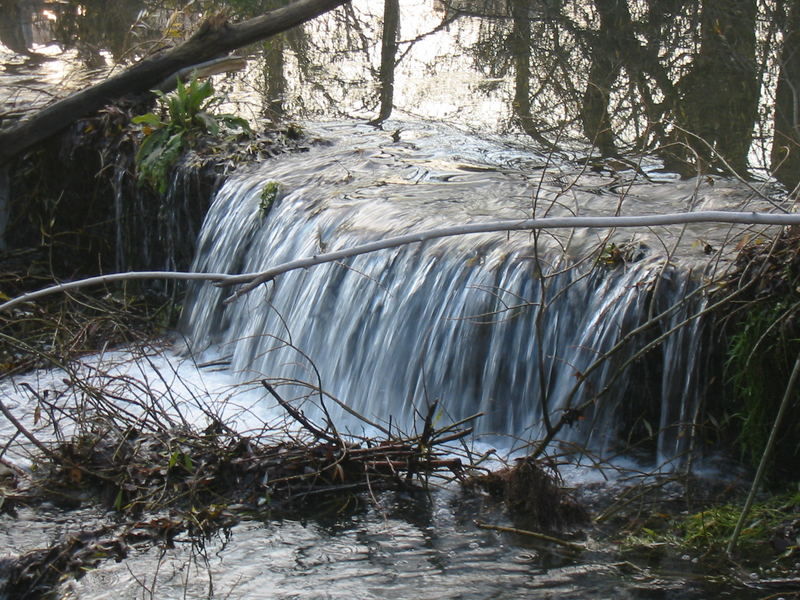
[
  {"x": 521, "y": 49},
  {"x": 719, "y": 95},
  {"x": 274, "y": 77},
  {"x": 607, "y": 55},
  {"x": 15, "y": 25},
  {"x": 391, "y": 28},
  {"x": 216, "y": 37},
  {"x": 786, "y": 144}
]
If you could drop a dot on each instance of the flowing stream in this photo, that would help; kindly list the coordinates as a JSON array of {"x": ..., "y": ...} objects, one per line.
[
  {"x": 503, "y": 324},
  {"x": 405, "y": 548},
  {"x": 518, "y": 327}
]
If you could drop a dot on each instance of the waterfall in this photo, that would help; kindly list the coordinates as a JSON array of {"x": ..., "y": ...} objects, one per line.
[
  {"x": 504, "y": 324},
  {"x": 155, "y": 231}
]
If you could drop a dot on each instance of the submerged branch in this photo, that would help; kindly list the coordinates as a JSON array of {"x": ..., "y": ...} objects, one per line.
[
  {"x": 533, "y": 534},
  {"x": 253, "y": 280}
]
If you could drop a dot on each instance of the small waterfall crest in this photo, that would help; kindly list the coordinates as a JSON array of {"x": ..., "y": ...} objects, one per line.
[{"x": 504, "y": 324}]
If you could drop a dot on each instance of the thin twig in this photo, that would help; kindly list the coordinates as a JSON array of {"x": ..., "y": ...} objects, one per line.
[
  {"x": 533, "y": 534},
  {"x": 300, "y": 417}
]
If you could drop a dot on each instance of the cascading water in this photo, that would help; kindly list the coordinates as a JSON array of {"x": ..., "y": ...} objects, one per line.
[
  {"x": 505, "y": 324},
  {"x": 154, "y": 231}
]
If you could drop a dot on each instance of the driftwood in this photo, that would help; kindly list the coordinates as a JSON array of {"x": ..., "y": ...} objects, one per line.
[
  {"x": 250, "y": 281},
  {"x": 215, "y": 38}
]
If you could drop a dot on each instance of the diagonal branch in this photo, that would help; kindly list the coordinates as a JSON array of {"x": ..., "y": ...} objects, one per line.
[{"x": 253, "y": 280}]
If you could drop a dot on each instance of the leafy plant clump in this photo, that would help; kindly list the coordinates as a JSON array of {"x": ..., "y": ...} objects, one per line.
[
  {"x": 615, "y": 255},
  {"x": 187, "y": 116}
]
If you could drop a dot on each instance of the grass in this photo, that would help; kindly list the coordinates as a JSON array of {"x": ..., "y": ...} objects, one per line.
[{"x": 768, "y": 545}]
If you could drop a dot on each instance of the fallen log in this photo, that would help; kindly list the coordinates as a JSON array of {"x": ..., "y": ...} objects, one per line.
[{"x": 215, "y": 38}]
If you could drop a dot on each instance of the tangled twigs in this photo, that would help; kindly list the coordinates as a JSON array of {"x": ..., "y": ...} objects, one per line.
[
  {"x": 207, "y": 479},
  {"x": 532, "y": 492},
  {"x": 300, "y": 417},
  {"x": 136, "y": 465},
  {"x": 393, "y": 457},
  {"x": 120, "y": 446},
  {"x": 24, "y": 431}
]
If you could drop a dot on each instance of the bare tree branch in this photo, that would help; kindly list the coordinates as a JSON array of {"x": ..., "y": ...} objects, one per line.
[
  {"x": 252, "y": 280},
  {"x": 750, "y": 218}
]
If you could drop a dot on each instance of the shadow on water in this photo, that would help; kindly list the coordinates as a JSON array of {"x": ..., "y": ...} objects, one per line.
[{"x": 705, "y": 86}]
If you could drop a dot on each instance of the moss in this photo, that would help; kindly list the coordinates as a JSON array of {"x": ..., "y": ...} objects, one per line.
[{"x": 269, "y": 193}]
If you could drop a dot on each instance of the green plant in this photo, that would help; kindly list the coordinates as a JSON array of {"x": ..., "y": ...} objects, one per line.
[
  {"x": 269, "y": 193},
  {"x": 187, "y": 115},
  {"x": 709, "y": 530},
  {"x": 768, "y": 542},
  {"x": 760, "y": 356},
  {"x": 614, "y": 255}
]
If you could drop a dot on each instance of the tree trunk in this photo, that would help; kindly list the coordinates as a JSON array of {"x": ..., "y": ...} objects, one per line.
[
  {"x": 215, "y": 37},
  {"x": 786, "y": 145},
  {"x": 391, "y": 27},
  {"x": 719, "y": 94},
  {"x": 521, "y": 38},
  {"x": 607, "y": 53}
]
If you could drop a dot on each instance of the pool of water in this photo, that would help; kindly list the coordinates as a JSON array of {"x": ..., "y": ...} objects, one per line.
[{"x": 400, "y": 547}]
